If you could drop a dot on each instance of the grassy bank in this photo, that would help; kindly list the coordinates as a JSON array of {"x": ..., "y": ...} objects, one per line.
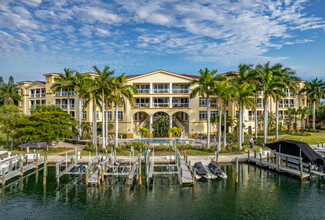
[{"x": 311, "y": 140}]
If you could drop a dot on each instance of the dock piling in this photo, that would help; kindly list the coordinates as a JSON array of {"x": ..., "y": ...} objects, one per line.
[
  {"x": 237, "y": 170},
  {"x": 3, "y": 176},
  {"x": 45, "y": 169}
]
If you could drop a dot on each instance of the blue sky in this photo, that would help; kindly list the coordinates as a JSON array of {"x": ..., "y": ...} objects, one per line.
[{"x": 138, "y": 36}]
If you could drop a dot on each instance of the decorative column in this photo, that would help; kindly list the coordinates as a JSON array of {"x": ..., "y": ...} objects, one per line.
[
  {"x": 170, "y": 102},
  {"x": 150, "y": 102},
  {"x": 151, "y": 88},
  {"x": 170, "y": 87},
  {"x": 170, "y": 121},
  {"x": 150, "y": 124},
  {"x": 189, "y": 125},
  {"x": 131, "y": 125}
]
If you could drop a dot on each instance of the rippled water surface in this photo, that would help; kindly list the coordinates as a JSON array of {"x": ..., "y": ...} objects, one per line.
[{"x": 260, "y": 194}]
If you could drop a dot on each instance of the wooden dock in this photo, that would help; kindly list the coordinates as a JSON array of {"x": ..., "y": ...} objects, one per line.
[
  {"x": 18, "y": 171},
  {"x": 280, "y": 168}
]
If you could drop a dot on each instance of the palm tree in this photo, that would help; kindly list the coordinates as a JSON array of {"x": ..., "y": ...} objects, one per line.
[
  {"x": 9, "y": 94},
  {"x": 81, "y": 85},
  {"x": 245, "y": 94},
  {"x": 120, "y": 93},
  {"x": 291, "y": 112},
  {"x": 64, "y": 81},
  {"x": 289, "y": 77},
  {"x": 103, "y": 84},
  {"x": 303, "y": 111},
  {"x": 205, "y": 89},
  {"x": 315, "y": 91},
  {"x": 246, "y": 75},
  {"x": 272, "y": 86}
]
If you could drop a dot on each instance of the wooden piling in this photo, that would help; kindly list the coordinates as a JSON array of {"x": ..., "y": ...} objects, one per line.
[
  {"x": 21, "y": 165},
  {"x": 248, "y": 156},
  {"x": 268, "y": 157},
  {"x": 36, "y": 162},
  {"x": 301, "y": 169},
  {"x": 3, "y": 177},
  {"x": 260, "y": 158},
  {"x": 140, "y": 179},
  {"x": 10, "y": 166},
  {"x": 286, "y": 161},
  {"x": 45, "y": 169},
  {"x": 237, "y": 170}
]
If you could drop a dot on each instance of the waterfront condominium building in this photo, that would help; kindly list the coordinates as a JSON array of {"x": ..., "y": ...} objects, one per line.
[{"x": 160, "y": 93}]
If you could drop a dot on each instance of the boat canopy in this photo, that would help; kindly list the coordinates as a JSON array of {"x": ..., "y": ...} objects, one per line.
[{"x": 295, "y": 147}]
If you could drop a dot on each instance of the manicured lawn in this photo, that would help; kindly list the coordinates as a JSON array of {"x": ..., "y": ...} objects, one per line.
[
  {"x": 40, "y": 151},
  {"x": 311, "y": 140}
]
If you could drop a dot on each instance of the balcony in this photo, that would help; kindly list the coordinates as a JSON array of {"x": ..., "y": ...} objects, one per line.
[
  {"x": 180, "y": 91},
  {"x": 181, "y": 105},
  {"x": 287, "y": 105},
  {"x": 141, "y": 105},
  {"x": 283, "y": 116},
  {"x": 252, "y": 118},
  {"x": 260, "y": 105},
  {"x": 161, "y": 105},
  {"x": 144, "y": 91},
  {"x": 289, "y": 94},
  {"x": 32, "y": 95},
  {"x": 160, "y": 91},
  {"x": 260, "y": 92},
  {"x": 213, "y": 105}
]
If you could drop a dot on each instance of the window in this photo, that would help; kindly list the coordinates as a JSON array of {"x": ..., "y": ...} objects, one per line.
[
  {"x": 161, "y": 102},
  {"x": 137, "y": 116},
  {"x": 161, "y": 88},
  {"x": 21, "y": 103},
  {"x": 227, "y": 114},
  {"x": 84, "y": 115},
  {"x": 143, "y": 88},
  {"x": 303, "y": 102},
  {"x": 203, "y": 115},
  {"x": 21, "y": 92},
  {"x": 120, "y": 115},
  {"x": 203, "y": 101},
  {"x": 227, "y": 103},
  {"x": 213, "y": 113},
  {"x": 97, "y": 115},
  {"x": 84, "y": 102},
  {"x": 109, "y": 115},
  {"x": 237, "y": 114},
  {"x": 72, "y": 114}
]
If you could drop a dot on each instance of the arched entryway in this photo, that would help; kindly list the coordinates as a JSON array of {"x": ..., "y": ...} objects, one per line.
[
  {"x": 181, "y": 120},
  {"x": 140, "y": 120},
  {"x": 160, "y": 124}
]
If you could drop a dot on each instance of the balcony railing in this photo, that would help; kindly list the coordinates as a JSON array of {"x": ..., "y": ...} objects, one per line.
[
  {"x": 289, "y": 94},
  {"x": 213, "y": 105},
  {"x": 144, "y": 91},
  {"x": 64, "y": 106},
  {"x": 32, "y": 95},
  {"x": 260, "y": 105},
  {"x": 141, "y": 105},
  {"x": 161, "y": 105},
  {"x": 181, "y": 91},
  {"x": 161, "y": 90},
  {"x": 283, "y": 116},
  {"x": 260, "y": 93},
  {"x": 287, "y": 105},
  {"x": 181, "y": 105},
  {"x": 252, "y": 118}
]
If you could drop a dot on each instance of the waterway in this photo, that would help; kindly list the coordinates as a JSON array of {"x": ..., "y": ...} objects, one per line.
[{"x": 260, "y": 194}]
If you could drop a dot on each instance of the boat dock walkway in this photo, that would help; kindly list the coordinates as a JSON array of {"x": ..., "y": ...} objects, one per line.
[{"x": 20, "y": 168}]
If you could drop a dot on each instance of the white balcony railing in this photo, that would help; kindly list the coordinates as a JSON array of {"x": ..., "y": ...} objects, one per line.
[
  {"x": 43, "y": 95},
  {"x": 181, "y": 91},
  {"x": 32, "y": 95},
  {"x": 72, "y": 105},
  {"x": 252, "y": 118},
  {"x": 289, "y": 94},
  {"x": 283, "y": 116},
  {"x": 260, "y": 105},
  {"x": 141, "y": 105},
  {"x": 260, "y": 92},
  {"x": 144, "y": 91},
  {"x": 161, "y": 105},
  {"x": 64, "y": 106},
  {"x": 181, "y": 105},
  {"x": 161, "y": 90},
  {"x": 287, "y": 105}
]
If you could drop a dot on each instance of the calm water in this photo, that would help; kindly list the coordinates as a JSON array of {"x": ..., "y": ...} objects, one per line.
[{"x": 260, "y": 194}]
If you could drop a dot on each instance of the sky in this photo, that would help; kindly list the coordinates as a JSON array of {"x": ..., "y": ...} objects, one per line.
[{"x": 139, "y": 36}]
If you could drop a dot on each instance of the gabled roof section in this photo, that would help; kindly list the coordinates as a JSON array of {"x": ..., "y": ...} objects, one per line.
[
  {"x": 42, "y": 83},
  {"x": 187, "y": 76},
  {"x": 26, "y": 81}
]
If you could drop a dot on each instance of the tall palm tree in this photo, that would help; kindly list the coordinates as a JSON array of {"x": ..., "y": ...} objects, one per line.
[
  {"x": 272, "y": 86},
  {"x": 81, "y": 84},
  {"x": 9, "y": 94},
  {"x": 204, "y": 89},
  {"x": 245, "y": 94},
  {"x": 64, "y": 81},
  {"x": 120, "y": 94},
  {"x": 315, "y": 91},
  {"x": 303, "y": 111},
  {"x": 291, "y": 113},
  {"x": 103, "y": 83},
  {"x": 246, "y": 75},
  {"x": 288, "y": 76}
]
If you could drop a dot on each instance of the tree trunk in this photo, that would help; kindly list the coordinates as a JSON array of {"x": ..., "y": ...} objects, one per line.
[
  {"x": 95, "y": 122},
  {"x": 103, "y": 123},
  {"x": 116, "y": 125},
  {"x": 289, "y": 123},
  {"x": 106, "y": 125},
  {"x": 265, "y": 125},
  {"x": 296, "y": 126},
  {"x": 314, "y": 115},
  {"x": 68, "y": 102},
  {"x": 240, "y": 128},
  {"x": 12, "y": 143},
  {"x": 302, "y": 123},
  {"x": 255, "y": 117},
  {"x": 277, "y": 120},
  {"x": 7, "y": 144},
  {"x": 21, "y": 145},
  {"x": 242, "y": 131},
  {"x": 307, "y": 118},
  {"x": 208, "y": 122},
  {"x": 79, "y": 119},
  {"x": 224, "y": 126},
  {"x": 219, "y": 128}
]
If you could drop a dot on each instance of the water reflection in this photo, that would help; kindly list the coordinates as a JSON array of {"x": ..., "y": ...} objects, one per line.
[{"x": 259, "y": 193}]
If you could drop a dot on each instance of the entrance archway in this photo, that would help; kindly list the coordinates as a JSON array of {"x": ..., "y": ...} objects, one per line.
[
  {"x": 181, "y": 120},
  {"x": 160, "y": 125},
  {"x": 140, "y": 120}
]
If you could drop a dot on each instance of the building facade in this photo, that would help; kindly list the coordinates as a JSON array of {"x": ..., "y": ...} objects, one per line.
[{"x": 160, "y": 93}]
